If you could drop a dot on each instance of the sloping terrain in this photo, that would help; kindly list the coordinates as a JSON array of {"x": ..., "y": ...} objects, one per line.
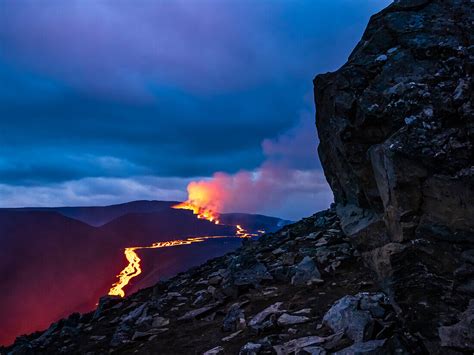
[
  {"x": 52, "y": 265},
  {"x": 270, "y": 295}
]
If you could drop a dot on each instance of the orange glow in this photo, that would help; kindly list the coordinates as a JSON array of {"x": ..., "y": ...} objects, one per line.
[
  {"x": 133, "y": 268},
  {"x": 204, "y": 201},
  {"x": 201, "y": 212},
  {"x": 242, "y": 233}
]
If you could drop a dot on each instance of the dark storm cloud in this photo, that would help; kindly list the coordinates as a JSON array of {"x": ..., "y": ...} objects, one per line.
[{"x": 176, "y": 89}]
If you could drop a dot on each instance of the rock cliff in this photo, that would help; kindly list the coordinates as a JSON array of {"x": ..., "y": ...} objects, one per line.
[{"x": 396, "y": 126}]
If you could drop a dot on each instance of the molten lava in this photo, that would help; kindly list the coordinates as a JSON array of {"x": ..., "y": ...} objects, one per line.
[
  {"x": 201, "y": 212},
  {"x": 203, "y": 200},
  {"x": 133, "y": 268},
  {"x": 242, "y": 233}
]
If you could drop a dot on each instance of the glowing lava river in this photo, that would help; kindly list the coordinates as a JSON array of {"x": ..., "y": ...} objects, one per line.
[{"x": 133, "y": 269}]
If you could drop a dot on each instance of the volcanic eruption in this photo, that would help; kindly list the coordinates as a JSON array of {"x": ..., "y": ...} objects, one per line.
[{"x": 203, "y": 200}]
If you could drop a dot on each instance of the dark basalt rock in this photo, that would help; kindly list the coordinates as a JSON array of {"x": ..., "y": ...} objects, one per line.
[
  {"x": 396, "y": 129},
  {"x": 354, "y": 315},
  {"x": 460, "y": 335}
]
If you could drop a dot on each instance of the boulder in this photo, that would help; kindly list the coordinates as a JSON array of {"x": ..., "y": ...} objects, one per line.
[
  {"x": 160, "y": 322},
  {"x": 288, "y": 319},
  {"x": 234, "y": 319},
  {"x": 305, "y": 271},
  {"x": 200, "y": 312},
  {"x": 354, "y": 315},
  {"x": 218, "y": 350},
  {"x": 461, "y": 334},
  {"x": 250, "y": 349},
  {"x": 251, "y": 276},
  {"x": 123, "y": 334},
  {"x": 148, "y": 333},
  {"x": 265, "y": 318}
]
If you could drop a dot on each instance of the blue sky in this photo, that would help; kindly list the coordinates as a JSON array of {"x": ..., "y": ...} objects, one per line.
[{"x": 105, "y": 101}]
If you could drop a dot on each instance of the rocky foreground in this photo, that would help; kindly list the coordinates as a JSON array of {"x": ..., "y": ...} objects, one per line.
[
  {"x": 301, "y": 290},
  {"x": 389, "y": 269}
]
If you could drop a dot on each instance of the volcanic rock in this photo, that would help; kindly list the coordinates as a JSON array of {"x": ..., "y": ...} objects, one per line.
[
  {"x": 265, "y": 318},
  {"x": 294, "y": 345},
  {"x": 160, "y": 322},
  {"x": 215, "y": 351},
  {"x": 305, "y": 271},
  {"x": 461, "y": 334},
  {"x": 354, "y": 315},
  {"x": 250, "y": 349},
  {"x": 371, "y": 347},
  {"x": 234, "y": 319},
  {"x": 288, "y": 319},
  {"x": 198, "y": 312},
  {"x": 252, "y": 276},
  {"x": 396, "y": 128}
]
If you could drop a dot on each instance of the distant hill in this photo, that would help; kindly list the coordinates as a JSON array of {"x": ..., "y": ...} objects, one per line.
[
  {"x": 54, "y": 261},
  {"x": 49, "y": 265},
  {"x": 100, "y": 215}
]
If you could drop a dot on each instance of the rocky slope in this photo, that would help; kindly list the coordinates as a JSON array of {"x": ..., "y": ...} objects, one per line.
[
  {"x": 388, "y": 269},
  {"x": 396, "y": 125},
  {"x": 303, "y": 289}
]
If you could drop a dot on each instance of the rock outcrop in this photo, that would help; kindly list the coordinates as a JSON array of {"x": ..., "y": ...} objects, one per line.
[{"x": 396, "y": 129}]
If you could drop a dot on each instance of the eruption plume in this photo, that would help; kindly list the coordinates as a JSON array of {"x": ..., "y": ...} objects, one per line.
[
  {"x": 205, "y": 200},
  {"x": 289, "y": 179},
  {"x": 202, "y": 200}
]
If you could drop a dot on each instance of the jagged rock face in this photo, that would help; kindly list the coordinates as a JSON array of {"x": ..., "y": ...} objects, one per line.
[
  {"x": 396, "y": 129},
  {"x": 396, "y": 122}
]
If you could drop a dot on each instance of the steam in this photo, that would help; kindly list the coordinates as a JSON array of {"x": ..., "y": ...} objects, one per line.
[{"x": 290, "y": 171}]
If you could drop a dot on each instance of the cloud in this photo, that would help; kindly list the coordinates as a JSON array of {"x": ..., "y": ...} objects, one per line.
[
  {"x": 199, "y": 46},
  {"x": 94, "y": 192},
  {"x": 289, "y": 183},
  {"x": 286, "y": 184},
  {"x": 116, "y": 90}
]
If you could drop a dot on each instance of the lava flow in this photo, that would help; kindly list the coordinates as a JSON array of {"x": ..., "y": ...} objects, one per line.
[
  {"x": 242, "y": 233},
  {"x": 133, "y": 268},
  {"x": 204, "y": 200},
  {"x": 200, "y": 212}
]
